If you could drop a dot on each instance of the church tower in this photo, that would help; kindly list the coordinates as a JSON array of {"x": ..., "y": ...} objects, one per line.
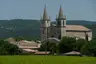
[
  {"x": 45, "y": 25},
  {"x": 61, "y": 24}
]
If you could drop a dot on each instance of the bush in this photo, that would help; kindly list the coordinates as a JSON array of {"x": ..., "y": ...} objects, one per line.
[{"x": 8, "y": 49}]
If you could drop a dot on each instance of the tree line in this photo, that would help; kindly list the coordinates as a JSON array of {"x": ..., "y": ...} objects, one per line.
[{"x": 68, "y": 44}]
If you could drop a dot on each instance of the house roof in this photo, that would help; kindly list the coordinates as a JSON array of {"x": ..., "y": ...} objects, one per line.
[
  {"x": 28, "y": 44},
  {"x": 52, "y": 40},
  {"x": 28, "y": 47},
  {"x": 29, "y": 50},
  {"x": 42, "y": 52},
  {"x": 77, "y": 28},
  {"x": 10, "y": 40},
  {"x": 73, "y": 52}
]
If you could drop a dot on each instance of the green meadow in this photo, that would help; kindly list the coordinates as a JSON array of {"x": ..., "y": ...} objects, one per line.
[{"x": 46, "y": 60}]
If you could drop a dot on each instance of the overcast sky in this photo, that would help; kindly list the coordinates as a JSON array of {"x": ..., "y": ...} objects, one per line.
[{"x": 33, "y": 9}]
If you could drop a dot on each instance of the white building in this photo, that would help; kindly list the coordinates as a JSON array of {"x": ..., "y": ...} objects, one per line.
[{"x": 60, "y": 29}]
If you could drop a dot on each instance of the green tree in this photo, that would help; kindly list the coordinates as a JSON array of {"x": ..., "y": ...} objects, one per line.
[
  {"x": 92, "y": 47},
  {"x": 8, "y": 49},
  {"x": 52, "y": 47},
  {"x": 80, "y": 43},
  {"x": 84, "y": 49},
  {"x": 48, "y": 46},
  {"x": 19, "y": 38},
  {"x": 67, "y": 44}
]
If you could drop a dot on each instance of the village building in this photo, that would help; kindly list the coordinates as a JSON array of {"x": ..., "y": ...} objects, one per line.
[
  {"x": 25, "y": 46},
  {"x": 28, "y": 46}
]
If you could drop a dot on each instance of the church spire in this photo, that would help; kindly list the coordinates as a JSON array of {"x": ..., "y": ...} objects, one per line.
[
  {"x": 60, "y": 16},
  {"x": 45, "y": 16}
]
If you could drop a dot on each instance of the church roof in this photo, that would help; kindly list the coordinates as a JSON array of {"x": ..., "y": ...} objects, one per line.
[{"x": 77, "y": 28}]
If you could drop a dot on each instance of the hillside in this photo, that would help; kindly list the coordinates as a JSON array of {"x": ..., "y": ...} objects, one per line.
[
  {"x": 30, "y": 29},
  {"x": 13, "y": 28}
]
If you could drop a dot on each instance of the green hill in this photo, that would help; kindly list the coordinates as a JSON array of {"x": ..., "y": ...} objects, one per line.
[
  {"x": 30, "y": 29},
  {"x": 18, "y": 27}
]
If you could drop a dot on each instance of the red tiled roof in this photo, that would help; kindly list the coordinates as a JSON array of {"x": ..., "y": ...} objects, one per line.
[
  {"x": 28, "y": 47},
  {"x": 29, "y": 50},
  {"x": 76, "y": 27},
  {"x": 42, "y": 52}
]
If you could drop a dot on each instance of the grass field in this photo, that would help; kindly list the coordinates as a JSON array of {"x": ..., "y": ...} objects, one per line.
[{"x": 46, "y": 60}]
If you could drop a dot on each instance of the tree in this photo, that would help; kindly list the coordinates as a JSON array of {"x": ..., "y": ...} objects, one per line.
[
  {"x": 84, "y": 49},
  {"x": 80, "y": 43},
  {"x": 48, "y": 46},
  {"x": 52, "y": 47},
  {"x": 19, "y": 38},
  {"x": 8, "y": 49},
  {"x": 92, "y": 47},
  {"x": 67, "y": 44}
]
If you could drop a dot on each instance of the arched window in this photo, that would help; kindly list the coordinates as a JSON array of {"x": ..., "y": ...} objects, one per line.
[
  {"x": 59, "y": 37},
  {"x": 52, "y": 36}
]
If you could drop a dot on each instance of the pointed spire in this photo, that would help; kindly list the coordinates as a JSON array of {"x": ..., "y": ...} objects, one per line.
[
  {"x": 45, "y": 16},
  {"x": 56, "y": 17},
  {"x": 49, "y": 17},
  {"x": 60, "y": 16},
  {"x": 65, "y": 17},
  {"x": 41, "y": 18}
]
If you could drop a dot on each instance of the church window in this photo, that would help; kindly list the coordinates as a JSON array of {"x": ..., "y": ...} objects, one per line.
[
  {"x": 52, "y": 36},
  {"x": 59, "y": 23},
  {"x": 47, "y": 21},
  {"x": 63, "y": 22},
  {"x": 43, "y": 31},
  {"x": 59, "y": 37}
]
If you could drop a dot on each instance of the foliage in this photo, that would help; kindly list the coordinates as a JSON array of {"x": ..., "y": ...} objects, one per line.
[
  {"x": 67, "y": 44},
  {"x": 53, "y": 47},
  {"x": 48, "y": 46},
  {"x": 92, "y": 47},
  {"x": 28, "y": 29},
  {"x": 80, "y": 43},
  {"x": 8, "y": 49},
  {"x": 19, "y": 38}
]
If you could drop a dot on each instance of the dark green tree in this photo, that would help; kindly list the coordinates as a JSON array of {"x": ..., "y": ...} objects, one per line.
[
  {"x": 48, "y": 46},
  {"x": 53, "y": 47},
  {"x": 80, "y": 43},
  {"x": 92, "y": 47},
  {"x": 8, "y": 49},
  {"x": 19, "y": 38},
  {"x": 67, "y": 44}
]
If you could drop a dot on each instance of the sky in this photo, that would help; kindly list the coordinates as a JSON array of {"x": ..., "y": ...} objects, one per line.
[{"x": 33, "y": 9}]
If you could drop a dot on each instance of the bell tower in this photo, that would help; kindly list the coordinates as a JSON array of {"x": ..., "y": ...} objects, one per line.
[
  {"x": 45, "y": 24},
  {"x": 61, "y": 24}
]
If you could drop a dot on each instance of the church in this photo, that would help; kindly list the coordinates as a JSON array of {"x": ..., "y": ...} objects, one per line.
[{"x": 59, "y": 29}]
